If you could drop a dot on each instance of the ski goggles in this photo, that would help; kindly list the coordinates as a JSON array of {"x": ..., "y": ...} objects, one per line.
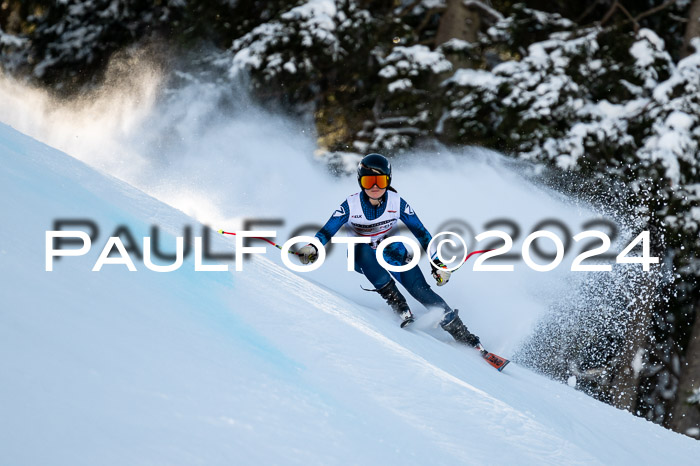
[{"x": 367, "y": 181}]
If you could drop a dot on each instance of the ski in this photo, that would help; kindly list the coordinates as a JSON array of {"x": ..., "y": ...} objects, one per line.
[
  {"x": 493, "y": 359},
  {"x": 496, "y": 361}
]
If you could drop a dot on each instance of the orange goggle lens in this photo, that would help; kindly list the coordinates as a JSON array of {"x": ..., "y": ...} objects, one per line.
[{"x": 382, "y": 181}]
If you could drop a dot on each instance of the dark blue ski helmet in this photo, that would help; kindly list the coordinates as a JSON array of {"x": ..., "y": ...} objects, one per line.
[{"x": 373, "y": 164}]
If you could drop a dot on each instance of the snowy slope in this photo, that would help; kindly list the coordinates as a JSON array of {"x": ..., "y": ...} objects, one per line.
[
  {"x": 224, "y": 167},
  {"x": 252, "y": 367}
]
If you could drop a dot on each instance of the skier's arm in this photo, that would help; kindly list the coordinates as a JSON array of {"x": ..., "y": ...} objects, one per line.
[
  {"x": 411, "y": 220},
  {"x": 337, "y": 220}
]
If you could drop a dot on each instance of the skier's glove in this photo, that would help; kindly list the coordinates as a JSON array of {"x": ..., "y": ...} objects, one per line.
[
  {"x": 440, "y": 274},
  {"x": 308, "y": 254}
]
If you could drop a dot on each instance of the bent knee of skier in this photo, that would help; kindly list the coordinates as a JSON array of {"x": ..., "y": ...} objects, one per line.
[
  {"x": 416, "y": 285},
  {"x": 366, "y": 264}
]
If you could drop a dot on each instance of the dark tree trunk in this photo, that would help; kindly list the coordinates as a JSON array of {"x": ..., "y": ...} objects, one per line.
[
  {"x": 458, "y": 22},
  {"x": 625, "y": 380},
  {"x": 686, "y": 416},
  {"x": 692, "y": 30}
]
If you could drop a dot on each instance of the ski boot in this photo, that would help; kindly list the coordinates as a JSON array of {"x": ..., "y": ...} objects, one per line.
[
  {"x": 459, "y": 331},
  {"x": 397, "y": 302}
]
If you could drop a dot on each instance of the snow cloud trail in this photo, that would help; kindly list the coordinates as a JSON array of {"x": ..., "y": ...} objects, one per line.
[{"x": 211, "y": 153}]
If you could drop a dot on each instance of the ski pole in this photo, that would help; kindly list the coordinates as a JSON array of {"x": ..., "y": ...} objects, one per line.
[
  {"x": 467, "y": 258},
  {"x": 476, "y": 252},
  {"x": 296, "y": 253},
  {"x": 258, "y": 237}
]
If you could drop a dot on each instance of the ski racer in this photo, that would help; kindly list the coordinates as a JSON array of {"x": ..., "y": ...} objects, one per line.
[{"x": 374, "y": 212}]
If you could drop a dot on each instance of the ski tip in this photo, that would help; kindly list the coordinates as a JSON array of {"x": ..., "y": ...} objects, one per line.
[
  {"x": 500, "y": 369},
  {"x": 496, "y": 361},
  {"x": 221, "y": 232}
]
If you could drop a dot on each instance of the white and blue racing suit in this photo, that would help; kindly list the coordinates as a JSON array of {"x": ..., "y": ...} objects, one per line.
[{"x": 361, "y": 218}]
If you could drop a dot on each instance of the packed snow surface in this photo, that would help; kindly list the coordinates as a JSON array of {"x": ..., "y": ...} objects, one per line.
[{"x": 263, "y": 366}]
